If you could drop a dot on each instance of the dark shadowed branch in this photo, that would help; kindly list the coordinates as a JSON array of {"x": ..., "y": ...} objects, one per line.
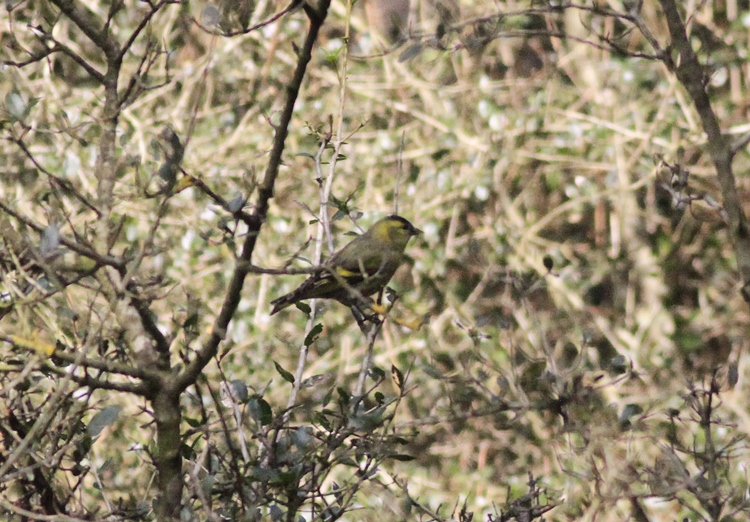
[
  {"x": 693, "y": 76},
  {"x": 265, "y": 193}
]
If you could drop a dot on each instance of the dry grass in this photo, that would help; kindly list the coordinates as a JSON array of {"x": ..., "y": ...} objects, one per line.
[{"x": 554, "y": 157}]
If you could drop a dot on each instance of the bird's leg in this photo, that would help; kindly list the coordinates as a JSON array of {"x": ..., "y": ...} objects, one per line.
[
  {"x": 361, "y": 319},
  {"x": 378, "y": 305},
  {"x": 364, "y": 318},
  {"x": 375, "y": 319}
]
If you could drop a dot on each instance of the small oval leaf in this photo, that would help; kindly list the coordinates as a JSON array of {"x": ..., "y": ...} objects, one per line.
[
  {"x": 105, "y": 417},
  {"x": 313, "y": 334},
  {"x": 287, "y": 376}
]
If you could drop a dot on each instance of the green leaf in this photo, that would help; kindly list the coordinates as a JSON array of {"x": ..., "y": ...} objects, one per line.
[
  {"x": 191, "y": 322},
  {"x": 431, "y": 371},
  {"x": 343, "y": 396},
  {"x": 240, "y": 390},
  {"x": 266, "y": 413},
  {"x": 15, "y": 105},
  {"x": 314, "y": 380},
  {"x": 102, "y": 419},
  {"x": 377, "y": 374},
  {"x": 312, "y": 335},
  {"x": 262, "y": 474},
  {"x": 208, "y": 484},
  {"x": 619, "y": 364},
  {"x": 629, "y": 411},
  {"x": 286, "y": 478},
  {"x": 733, "y": 375},
  {"x": 402, "y": 457},
  {"x": 82, "y": 448},
  {"x": 327, "y": 397},
  {"x": 398, "y": 377},
  {"x": 236, "y": 203},
  {"x": 260, "y": 410},
  {"x": 304, "y": 307},
  {"x": 32, "y": 103},
  {"x": 302, "y": 437},
  {"x": 440, "y": 154},
  {"x": 193, "y": 423},
  {"x": 187, "y": 452},
  {"x": 287, "y": 376},
  {"x": 323, "y": 421},
  {"x": 410, "y": 52}
]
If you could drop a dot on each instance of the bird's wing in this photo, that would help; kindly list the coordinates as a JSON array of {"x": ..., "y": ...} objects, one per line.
[
  {"x": 353, "y": 262},
  {"x": 317, "y": 285}
]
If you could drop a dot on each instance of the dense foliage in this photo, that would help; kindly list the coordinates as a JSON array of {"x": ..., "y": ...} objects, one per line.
[{"x": 566, "y": 339}]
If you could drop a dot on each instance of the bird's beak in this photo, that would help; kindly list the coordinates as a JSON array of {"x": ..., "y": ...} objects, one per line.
[{"x": 415, "y": 231}]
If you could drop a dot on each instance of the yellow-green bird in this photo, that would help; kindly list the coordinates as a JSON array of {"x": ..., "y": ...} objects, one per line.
[{"x": 366, "y": 264}]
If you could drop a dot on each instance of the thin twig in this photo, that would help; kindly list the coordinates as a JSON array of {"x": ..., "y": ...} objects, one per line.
[
  {"x": 229, "y": 34},
  {"x": 102, "y": 259},
  {"x": 265, "y": 192},
  {"x": 136, "y": 388},
  {"x": 367, "y": 359},
  {"x": 91, "y": 26},
  {"x": 399, "y": 172},
  {"x": 155, "y": 8},
  {"x": 41, "y": 423},
  {"x": 324, "y": 228},
  {"x": 692, "y": 75},
  {"x": 60, "y": 183},
  {"x": 740, "y": 143},
  {"x": 240, "y": 214}
]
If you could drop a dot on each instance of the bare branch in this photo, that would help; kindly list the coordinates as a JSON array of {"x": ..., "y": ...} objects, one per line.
[
  {"x": 223, "y": 203},
  {"x": 692, "y": 75},
  {"x": 87, "y": 362},
  {"x": 147, "y": 319},
  {"x": 155, "y": 8},
  {"x": 740, "y": 143},
  {"x": 229, "y": 34},
  {"x": 86, "y": 66},
  {"x": 35, "y": 57},
  {"x": 90, "y": 25},
  {"x": 265, "y": 193},
  {"x": 61, "y": 183},
  {"x": 324, "y": 227},
  {"x": 107, "y": 366},
  {"x": 140, "y": 389},
  {"x": 10, "y": 508},
  {"x": 102, "y": 259}
]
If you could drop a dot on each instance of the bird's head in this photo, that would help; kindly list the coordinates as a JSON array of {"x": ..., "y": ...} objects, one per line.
[{"x": 394, "y": 231}]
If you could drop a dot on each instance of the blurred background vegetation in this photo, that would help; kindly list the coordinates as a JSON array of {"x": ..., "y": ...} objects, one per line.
[{"x": 582, "y": 352}]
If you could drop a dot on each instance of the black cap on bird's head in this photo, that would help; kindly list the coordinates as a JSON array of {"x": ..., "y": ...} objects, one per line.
[{"x": 414, "y": 231}]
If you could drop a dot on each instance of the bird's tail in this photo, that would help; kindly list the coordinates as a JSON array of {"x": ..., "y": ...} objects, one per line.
[{"x": 282, "y": 302}]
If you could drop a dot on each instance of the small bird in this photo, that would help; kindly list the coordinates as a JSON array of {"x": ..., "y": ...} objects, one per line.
[{"x": 366, "y": 265}]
